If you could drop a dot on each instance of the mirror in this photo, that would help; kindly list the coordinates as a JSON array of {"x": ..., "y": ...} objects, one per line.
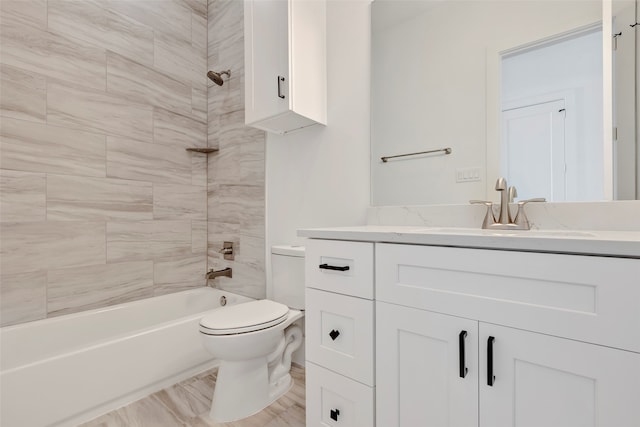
[{"x": 513, "y": 88}]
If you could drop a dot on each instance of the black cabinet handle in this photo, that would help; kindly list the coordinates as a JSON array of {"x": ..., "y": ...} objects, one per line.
[
  {"x": 463, "y": 368},
  {"x": 334, "y": 414},
  {"x": 334, "y": 334},
  {"x": 490, "y": 377},
  {"x": 333, "y": 267},
  {"x": 280, "y": 80}
]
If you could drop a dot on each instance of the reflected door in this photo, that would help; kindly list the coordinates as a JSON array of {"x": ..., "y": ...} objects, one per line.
[{"x": 533, "y": 150}]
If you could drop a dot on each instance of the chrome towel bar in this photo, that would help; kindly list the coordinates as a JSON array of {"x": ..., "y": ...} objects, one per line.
[{"x": 444, "y": 150}]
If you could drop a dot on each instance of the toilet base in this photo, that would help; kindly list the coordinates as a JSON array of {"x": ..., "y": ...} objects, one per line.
[{"x": 243, "y": 389}]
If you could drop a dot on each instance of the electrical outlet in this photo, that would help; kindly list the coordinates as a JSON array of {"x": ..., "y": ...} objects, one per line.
[{"x": 468, "y": 174}]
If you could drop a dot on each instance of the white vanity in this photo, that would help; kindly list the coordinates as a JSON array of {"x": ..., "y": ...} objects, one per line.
[{"x": 426, "y": 326}]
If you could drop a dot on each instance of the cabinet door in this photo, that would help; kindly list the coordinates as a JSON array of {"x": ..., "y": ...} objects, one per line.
[
  {"x": 418, "y": 369},
  {"x": 542, "y": 380},
  {"x": 266, "y": 58}
]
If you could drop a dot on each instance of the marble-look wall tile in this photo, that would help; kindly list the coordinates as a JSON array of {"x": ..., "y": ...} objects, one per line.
[
  {"x": 219, "y": 101},
  {"x": 218, "y": 233},
  {"x": 23, "y": 94},
  {"x": 71, "y": 290},
  {"x": 130, "y": 159},
  {"x": 240, "y": 204},
  {"x": 199, "y": 30},
  {"x": 94, "y": 22},
  {"x": 77, "y": 107},
  {"x": 170, "y": 17},
  {"x": 38, "y": 147},
  {"x": 226, "y": 33},
  {"x": 38, "y": 51},
  {"x": 23, "y": 297},
  {"x": 248, "y": 277},
  {"x": 179, "y": 58},
  {"x": 199, "y": 164},
  {"x": 35, "y": 246},
  {"x": 178, "y": 130},
  {"x": 199, "y": 7},
  {"x": 199, "y": 236},
  {"x": 199, "y": 102},
  {"x": 144, "y": 85},
  {"x": 98, "y": 199},
  {"x": 22, "y": 196},
  {"x": 172, "y": 201},
  {"x": 26, "y": 12},
  {"x": 190, "y": 269},
  {"x": 92, "y": 118},
  {"x": 146, "y": 240}
]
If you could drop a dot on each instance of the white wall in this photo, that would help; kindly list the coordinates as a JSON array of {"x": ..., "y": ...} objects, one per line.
[{"x": 320, "y": 176}]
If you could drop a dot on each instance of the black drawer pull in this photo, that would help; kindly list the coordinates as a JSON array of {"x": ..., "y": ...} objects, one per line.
[
  {"x": 333, "y": 267},
  {"x": 334, "y": 414},
  {"x": 490, "y": 377},
  {"x": 280, "y": 80},
  {"x": 461, "y": 358},
  {"x": 334, "y": 334}
]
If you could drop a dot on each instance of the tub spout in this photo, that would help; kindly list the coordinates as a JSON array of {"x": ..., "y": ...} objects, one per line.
[{"x": 226, "y": 272}]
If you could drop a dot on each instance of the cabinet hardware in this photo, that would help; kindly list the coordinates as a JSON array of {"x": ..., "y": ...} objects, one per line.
[
  {"x": 490, "y": 377},
  {"x": 334, "y": 334},
  {"x": 333, "y": 267},
  {"x": 334, "y": 414},
  {"x": 280, "y": 80},
  {"x": 463, "y": 368}
]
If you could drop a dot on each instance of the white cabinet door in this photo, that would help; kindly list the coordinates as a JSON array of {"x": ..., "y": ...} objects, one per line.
[
  {"x": 285, "y": 64},
  {"x": 418, "y": 371},
  {"x": 542, "y": 380},
  {"x": 267, "y": 58}
]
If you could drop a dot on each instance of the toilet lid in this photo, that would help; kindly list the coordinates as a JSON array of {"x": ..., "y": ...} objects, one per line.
[{"x": 245, "y": 317}]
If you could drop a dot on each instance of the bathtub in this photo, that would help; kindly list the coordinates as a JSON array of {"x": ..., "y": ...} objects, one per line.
[{"x": 69, "y": 369}]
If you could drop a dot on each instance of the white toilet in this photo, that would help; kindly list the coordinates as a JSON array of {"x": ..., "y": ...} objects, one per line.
[{"x": 254, "y": 341}]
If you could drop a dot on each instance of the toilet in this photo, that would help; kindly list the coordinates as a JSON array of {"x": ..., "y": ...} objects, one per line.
[{"x": 254, "y": 341}]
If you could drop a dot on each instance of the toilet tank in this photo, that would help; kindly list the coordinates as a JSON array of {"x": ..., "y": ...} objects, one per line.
[{"x": 287, "y": 273}]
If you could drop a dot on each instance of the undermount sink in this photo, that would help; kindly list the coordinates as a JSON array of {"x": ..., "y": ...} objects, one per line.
[{"x": 518, "y": 233}]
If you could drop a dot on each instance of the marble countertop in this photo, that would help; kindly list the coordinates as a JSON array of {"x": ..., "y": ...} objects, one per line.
[{"x": 588, "y": 242}]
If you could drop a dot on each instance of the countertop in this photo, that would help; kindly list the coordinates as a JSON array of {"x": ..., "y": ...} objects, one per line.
[{"x": 624, "y": 244}]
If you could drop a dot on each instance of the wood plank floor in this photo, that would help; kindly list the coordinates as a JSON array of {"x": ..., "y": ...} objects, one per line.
[{"x": 187, "y": 404}]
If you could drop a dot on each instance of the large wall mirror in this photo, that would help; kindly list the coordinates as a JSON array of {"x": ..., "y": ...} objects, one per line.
[{"x": 542, "y": 92}]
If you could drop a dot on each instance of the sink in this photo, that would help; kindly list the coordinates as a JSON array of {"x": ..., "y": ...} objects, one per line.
[{"x": 511, "y": 233}]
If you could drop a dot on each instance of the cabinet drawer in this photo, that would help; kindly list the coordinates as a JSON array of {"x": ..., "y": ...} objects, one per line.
[
  {"x": 334, "y": 400},
  {"x": 586, "y": 298},
  {"x": 342, "y": 267},
  {"x": 339, "y": 334}
]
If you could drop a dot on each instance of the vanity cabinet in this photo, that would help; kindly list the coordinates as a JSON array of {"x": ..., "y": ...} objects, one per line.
[
  {"x": 285, "y": 64},
  {"x": 339, "y": 334},
  {"x": 476, "y": 337}
]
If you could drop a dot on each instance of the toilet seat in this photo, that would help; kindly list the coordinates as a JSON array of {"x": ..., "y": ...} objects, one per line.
[{"x": 243, "y": 318}]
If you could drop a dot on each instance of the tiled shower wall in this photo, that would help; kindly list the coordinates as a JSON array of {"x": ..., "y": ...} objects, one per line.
[
  {"x": 236, "y": 175},
  {"x": 99, "y": 201}
]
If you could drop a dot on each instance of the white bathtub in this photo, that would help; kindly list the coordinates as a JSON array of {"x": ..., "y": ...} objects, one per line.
[{"x": 69, "y": 369}]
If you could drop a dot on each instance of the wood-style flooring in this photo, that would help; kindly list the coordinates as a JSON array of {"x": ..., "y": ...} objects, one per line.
[{"x": 187, "y": 404}]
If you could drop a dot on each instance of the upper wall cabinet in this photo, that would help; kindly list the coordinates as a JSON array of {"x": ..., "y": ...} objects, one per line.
[{"x": 285, "y": 63}]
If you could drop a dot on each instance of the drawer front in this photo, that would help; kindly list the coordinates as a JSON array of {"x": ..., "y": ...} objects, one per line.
[
  {"x": 334, "y": 400},
  {"x": 339, "y": 334},
  {"x": 338, "y": 266},
  {"x": 588, "y": 298}
]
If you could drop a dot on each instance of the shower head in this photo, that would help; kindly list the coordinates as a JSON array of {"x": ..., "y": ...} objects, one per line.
[{"x": 216, "y": 77}]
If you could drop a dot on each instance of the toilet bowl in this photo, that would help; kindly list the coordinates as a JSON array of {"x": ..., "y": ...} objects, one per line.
[{"x": 254, "y": 342}]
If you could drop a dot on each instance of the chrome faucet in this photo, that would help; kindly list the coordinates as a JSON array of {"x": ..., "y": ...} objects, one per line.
[
  {"x": 225, "y": 272},
  {"x": 505, "y": 220}
]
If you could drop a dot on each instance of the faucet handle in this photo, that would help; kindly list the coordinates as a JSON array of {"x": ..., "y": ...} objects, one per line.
[
  {"x": 521, "y": 220},
  {"x": 535, "y": 199},
  {"x": 489, "y": 217}
]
